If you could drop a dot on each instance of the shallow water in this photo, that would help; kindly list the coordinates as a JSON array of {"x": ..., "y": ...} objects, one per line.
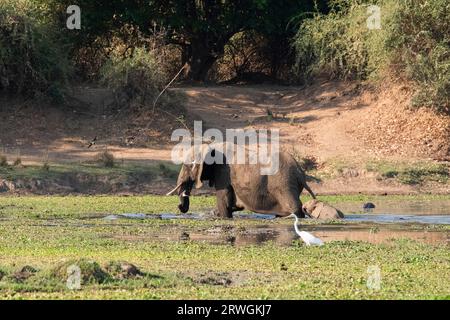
[
  {"x": 388, "y": 220},
  {"x": 400, "y": 207},
  {"x": 373, "y": 228},
  {"x": 284, "y": 235},
  {"x": 368, "y": 233},
  {"x": 194, "y": 216},
  {"x": 366, "y": 217},
  {"x": 163, "y": 216},
  {"x": 399, "y": 218}
]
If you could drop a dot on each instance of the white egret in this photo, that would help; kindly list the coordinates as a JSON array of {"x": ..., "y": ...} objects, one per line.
[{"x": 307, "y": 237}]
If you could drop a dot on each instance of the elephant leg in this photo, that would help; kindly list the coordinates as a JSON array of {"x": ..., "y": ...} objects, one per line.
[
  {"x": 300, "y": 213},
  {"x": 224, "y": 206},
  {"x": 292, "y": 206}
]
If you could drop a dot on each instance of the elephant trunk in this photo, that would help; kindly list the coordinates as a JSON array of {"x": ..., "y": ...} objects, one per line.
[{"x": 184, "y": 202}]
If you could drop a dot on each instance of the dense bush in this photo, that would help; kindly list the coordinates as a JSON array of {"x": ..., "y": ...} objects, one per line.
[
  {"x": 33, "y": 59},
  {"x": 413, "y": 42},
  {"x": 339, "y": 44},
  {"x": 242, "y": 55},
  {"x": 254, "y": 57},
  {"x": 420, "y": 41},
  {"x": 136, "y": 76}
]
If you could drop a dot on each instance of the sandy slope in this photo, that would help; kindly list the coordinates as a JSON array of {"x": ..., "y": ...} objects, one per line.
[{"x": 330, "y": 121}]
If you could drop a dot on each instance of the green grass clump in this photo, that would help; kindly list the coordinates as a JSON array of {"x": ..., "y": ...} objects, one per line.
[
  {"x": 46, "y": 166},
  {"x": 17, "y": 162},
  {"x": 410, "y": 173},
  {"x": 106, "y": 159},
  {"x": 167, "y": 171},
  {"x": 90, "y": 271},
  {"x": 93, "y": 170},
  {"x": 33, "y": 56},
  {"x": 3, "y": 161},
  {"x": 122, "y": 270}
]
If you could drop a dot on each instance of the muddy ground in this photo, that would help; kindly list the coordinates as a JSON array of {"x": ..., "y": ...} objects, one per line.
[{"x": 353, "y": 139}]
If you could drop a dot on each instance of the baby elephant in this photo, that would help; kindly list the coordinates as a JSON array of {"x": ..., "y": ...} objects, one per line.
[{"x": 319, "y": 210}]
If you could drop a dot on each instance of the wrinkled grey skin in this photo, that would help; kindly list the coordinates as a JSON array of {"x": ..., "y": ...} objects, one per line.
[
  {"x": 241, "y": 186},
  {"x": 320, "y": 210}
]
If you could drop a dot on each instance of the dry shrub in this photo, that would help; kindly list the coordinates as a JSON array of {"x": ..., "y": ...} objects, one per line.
[
  {"x": 106, "y": 159},
  {"x": 3, "y": 161},
  {"x": 242, "y": 55},
  {"x": 33, "y": 58}
]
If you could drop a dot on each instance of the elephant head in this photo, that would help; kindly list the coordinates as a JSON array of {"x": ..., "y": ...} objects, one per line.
[
  {"x": 198, "y": 166},
  {"x": 309, "y": 207},
  {"x": 319, "y": 210}
]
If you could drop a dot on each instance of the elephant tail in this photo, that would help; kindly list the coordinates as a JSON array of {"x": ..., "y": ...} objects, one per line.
[
  {"x": 309, "y": 190},
  {"x": 302, "y": 180}
]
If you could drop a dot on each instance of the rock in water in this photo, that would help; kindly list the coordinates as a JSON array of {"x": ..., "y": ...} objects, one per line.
[{"x": 368, "y": 206}]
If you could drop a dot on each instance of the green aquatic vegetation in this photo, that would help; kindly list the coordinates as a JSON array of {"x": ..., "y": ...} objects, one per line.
[
  {"x": 52, "y": 233},
  {"x": 93, "y": 206},
  {"x": 200, "y": 270}
]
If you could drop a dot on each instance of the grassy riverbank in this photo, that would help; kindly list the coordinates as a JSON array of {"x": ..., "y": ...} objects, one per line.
[{"x": 50, "y": 233}]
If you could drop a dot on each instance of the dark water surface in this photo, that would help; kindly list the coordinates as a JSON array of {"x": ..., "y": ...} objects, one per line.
[{"x": 389, "y": 220}]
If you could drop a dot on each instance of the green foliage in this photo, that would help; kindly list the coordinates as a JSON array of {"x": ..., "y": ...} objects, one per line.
[
  {"x": 420, "y": 40},
  {"x": 135, "y": 76},
  {"x": 339, "y": 44},
  {"x": 413, "y": 41},
  {"x": 200, "y": 28},
  {"x": 33, "y": 59}
]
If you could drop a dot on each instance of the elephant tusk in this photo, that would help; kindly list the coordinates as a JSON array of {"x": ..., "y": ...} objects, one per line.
[{"x": 174, "y": 189}]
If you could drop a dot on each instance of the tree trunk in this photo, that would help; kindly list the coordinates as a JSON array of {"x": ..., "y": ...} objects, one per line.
[{"x": 199, "y": 58}]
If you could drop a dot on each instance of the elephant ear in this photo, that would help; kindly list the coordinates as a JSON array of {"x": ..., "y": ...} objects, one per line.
[
  {"x": 198, "y": 165},
  {"x": 197, "y": 170},
  {"x": 202, "y": 171}
]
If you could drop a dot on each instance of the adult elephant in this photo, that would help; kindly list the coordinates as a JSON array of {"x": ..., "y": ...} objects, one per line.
[{"x": 242, "y": 186}]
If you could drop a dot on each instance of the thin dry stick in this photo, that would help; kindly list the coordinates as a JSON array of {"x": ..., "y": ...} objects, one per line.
[
  {"x": 167, "y": 86},
  {"x": 168, "y": 113},
  {"x": 160, "y": 94},
  {"x": 176, "y": 118}
]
